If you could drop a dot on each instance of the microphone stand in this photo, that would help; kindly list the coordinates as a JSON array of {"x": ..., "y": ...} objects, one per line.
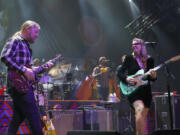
[{"x": 168, "y": 76}]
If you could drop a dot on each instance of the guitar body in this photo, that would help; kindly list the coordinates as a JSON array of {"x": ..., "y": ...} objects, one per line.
[
  {"x": 20, "y": 82},
  {"x": 129, "y": 89},
  {"x": 50, "y": 128}
]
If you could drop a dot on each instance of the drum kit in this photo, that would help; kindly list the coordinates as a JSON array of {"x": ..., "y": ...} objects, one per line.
[{"x": 57, "y": 84}]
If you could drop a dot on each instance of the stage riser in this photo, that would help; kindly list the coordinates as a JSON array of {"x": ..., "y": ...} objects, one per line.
[
  {"x": 116, "y": 117},
  {"x": 92, "y": 133}
]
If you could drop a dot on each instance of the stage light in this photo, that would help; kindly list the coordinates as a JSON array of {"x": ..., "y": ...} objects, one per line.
[{"x": 130, "y": 0}]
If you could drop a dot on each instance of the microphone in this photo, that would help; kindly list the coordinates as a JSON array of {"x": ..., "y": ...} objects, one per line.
[{"x": 150, "y": 43}]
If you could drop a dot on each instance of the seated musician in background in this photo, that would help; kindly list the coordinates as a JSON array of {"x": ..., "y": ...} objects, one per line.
[
  {"x": 36, "y": 62},
  {"x": 16, "y": 54},
  {"x": 102, "y": 73},
  {"x": 140, "y": 99}
]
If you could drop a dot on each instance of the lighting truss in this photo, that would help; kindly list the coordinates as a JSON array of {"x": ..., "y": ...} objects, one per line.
[{"x": 155, "y": 12}]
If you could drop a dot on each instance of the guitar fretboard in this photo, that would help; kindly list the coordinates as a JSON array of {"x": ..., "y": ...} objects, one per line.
[{"x": 42, "y": 67}]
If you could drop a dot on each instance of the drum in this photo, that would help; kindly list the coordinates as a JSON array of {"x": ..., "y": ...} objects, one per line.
[
  {"x": 48, "y": 86},
  {"x": 46, "y": 79},
  {"x": 56, "y": 93},
  {"x": 47, "y": 82}
]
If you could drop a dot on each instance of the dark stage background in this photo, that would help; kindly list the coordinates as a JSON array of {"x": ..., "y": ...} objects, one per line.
[{"x": 84, "y": 30}]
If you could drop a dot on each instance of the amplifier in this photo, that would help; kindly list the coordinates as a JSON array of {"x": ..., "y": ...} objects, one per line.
[
  {"x": 122, "y": 117},
  {"x": 98, "y": 119},
  {"x": 66, "y": 120},
  {"x": 162, "y": 115}
]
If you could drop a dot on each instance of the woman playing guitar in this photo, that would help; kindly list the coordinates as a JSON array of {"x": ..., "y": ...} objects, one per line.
[{"x": 140, "y": 98}]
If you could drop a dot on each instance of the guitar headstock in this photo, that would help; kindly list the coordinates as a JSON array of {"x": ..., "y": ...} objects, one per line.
[
  {"x": 176, "y": 58},
  {"x": 57, "y": 58}
]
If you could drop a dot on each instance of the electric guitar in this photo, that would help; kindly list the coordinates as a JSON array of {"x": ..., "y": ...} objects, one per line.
[
  {"x": 128, "y": 89},
  {"x": 20, "y": 82}
]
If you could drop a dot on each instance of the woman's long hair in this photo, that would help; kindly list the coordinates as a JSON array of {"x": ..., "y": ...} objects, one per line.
[{"x": 143, "y": 53}]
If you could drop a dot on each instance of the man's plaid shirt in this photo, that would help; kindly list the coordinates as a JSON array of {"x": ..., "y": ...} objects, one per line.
[{"x": 16, "y": 53}]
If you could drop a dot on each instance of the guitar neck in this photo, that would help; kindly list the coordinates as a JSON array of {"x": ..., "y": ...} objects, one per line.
[
  {"x": 161, "y": 65},
  {"x": 42, "y": 67},
  {"x": 176, "y": 58},
  {"x": 158, "y": 67}
]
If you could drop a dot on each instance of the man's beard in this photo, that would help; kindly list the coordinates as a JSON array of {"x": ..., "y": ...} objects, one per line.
[{"x": 31, "y": 40}]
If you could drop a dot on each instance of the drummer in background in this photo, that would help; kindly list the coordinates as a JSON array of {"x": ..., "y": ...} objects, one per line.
[{"x": 36, "y": 62}]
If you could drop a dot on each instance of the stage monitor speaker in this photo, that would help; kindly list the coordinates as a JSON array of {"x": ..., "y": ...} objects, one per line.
[
  {"x": 92, "y": 132},
  {"x": 166, "y": 132}
]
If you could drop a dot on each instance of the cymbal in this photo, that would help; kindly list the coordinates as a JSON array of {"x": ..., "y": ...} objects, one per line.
[{"x": 59, "y": 70}]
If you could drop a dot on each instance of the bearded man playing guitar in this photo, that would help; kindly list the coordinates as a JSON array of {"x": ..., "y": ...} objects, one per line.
[
  {"x": 16, "y": 54},
  {"x": 140, "y": 97}
]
